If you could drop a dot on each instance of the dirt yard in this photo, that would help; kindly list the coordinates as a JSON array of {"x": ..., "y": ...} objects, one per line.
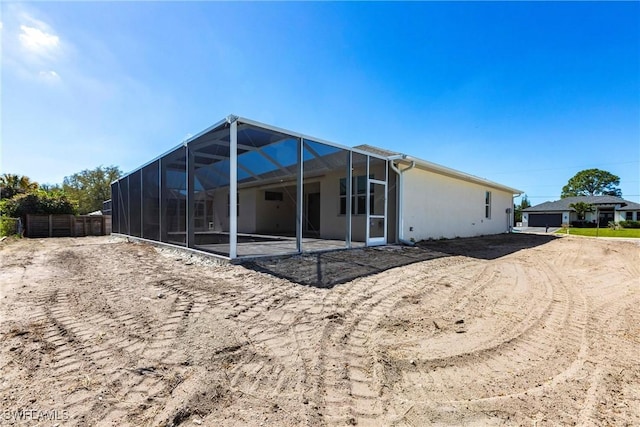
[{"x": 508, "y": 330}]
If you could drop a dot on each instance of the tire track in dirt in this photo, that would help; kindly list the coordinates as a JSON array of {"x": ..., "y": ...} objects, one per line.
[
  {"x": 69, "y": 354},
  {"x": 530, "y": 354},
  {"x": 277, "y": 328},
  {"x": 349, "y": 371},
  {"x": 514, "y": 344},
  {"x": 101, "y": 331},
  {"x": 85, "y": 354},
  {"x": 174, "y": 323},
  {"x": 613, "y": 316}
]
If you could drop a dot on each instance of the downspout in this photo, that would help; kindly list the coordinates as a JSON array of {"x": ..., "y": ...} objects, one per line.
[{"x": 400, "y": 198}]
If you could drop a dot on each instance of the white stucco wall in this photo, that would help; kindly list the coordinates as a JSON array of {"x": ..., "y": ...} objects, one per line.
[
  {"x": 275, "y": 216},
  {"x": 247, "y": 217},
  {"x": 332, "y": 224},
  {"x": 437, "y": 206},
  {"x": 622, "y": 216}
]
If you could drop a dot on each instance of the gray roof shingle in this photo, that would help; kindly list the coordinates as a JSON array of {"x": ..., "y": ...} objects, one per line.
[{"x": 563, "y": 204}]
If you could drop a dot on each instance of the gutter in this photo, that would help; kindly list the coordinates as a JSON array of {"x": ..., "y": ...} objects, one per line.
[
  {"x": 443, "y": 170},
  {"x": 399, "y": 197}
]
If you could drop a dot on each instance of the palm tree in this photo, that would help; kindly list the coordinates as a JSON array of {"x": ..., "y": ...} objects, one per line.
[
  {"x": 12, "y": 184},
  {"x": 581, "y": 209}
]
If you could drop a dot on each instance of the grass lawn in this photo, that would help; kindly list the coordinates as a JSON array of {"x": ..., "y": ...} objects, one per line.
[{"x": 603, "y": 232}]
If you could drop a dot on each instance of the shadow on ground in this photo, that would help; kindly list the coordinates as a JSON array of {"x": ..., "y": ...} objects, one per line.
[
  {"x": 488, "y": 247},
  {"x": 325, "y": 270}
]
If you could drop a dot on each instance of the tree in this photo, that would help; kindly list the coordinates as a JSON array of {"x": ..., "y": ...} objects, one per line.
[
  {"x": 91, "y": 187},
  {"x": 11, "y": 184},
  {"x": 37, "y": 202},
  {"x": 524, "y": 204},
  {"x": 51, "y": 187},
  {"x": 592, "y": 182},
  {"x": 581, "y": 209}
]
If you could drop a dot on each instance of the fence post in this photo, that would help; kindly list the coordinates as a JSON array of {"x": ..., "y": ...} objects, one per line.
[{"x": 50, "y": 225}]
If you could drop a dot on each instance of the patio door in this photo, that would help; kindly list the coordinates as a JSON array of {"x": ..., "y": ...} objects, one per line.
[{"x": 377, "y": 213}]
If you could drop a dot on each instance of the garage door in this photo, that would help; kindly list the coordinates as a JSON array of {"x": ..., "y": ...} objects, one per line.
[{"x": 542, "y": 220}]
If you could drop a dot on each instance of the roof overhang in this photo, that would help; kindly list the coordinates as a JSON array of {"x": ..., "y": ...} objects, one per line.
[
  {"x": 401, "y": 158},
  {"x": 453, "y": 173}
]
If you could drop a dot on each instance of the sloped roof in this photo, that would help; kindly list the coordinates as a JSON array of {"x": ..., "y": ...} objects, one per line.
[
  {"x": 631, "y": 206},
  {"x": 563, "y": 204},
  {"x": 262, "y": 155},
  {"x": 434, "y": 167}
]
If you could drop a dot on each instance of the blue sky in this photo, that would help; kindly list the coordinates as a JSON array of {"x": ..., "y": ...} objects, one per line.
[{"x": 525, "y": 94}]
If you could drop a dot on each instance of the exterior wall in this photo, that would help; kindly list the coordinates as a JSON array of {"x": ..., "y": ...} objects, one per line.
[
  {"x": 622, "y": 216},
  {"x": 332, "y": 224},
  {"x": 437, "y": 206},
  {"x": 589, "y": 216},
  {"x": 273, "y": 216},
  {"x": 248, "y": 211},
  {"x": 258, "y": 215},
  {"x": 247, "y": 217}
]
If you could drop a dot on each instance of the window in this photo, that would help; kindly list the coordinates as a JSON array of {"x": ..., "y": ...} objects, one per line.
[
  {"x": 629, "y": 216},
  {"x": 273, "y": 195},
  {"x": 358, "y": 195},
  {"x": 487, "y": 204}
]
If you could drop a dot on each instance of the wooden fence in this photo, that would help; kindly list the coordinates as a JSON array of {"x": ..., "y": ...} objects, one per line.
[{"x": 67, "y": 225}]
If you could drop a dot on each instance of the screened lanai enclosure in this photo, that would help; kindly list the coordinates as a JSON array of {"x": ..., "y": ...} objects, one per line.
[{"x": 246, "y": 189}]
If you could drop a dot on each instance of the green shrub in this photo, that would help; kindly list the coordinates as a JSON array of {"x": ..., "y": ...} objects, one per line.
[
  {"x": 629, "y": 224},
  {"x": 8, "y": 226},
  {"x": 37, "y": 202}
]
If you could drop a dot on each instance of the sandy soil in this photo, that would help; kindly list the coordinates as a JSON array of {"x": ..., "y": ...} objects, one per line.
[{"x": 507, "y": 330}]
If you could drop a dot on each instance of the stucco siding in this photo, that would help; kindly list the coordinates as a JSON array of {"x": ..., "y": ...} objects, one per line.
[
  {"x": 274, "y": 216},
  {"x": 437, "y": 206}
]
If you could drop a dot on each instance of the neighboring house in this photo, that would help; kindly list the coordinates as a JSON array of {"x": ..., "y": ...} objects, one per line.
[
  {"x": 606, "y": 208},
  {"x": 245, "y": 189}
]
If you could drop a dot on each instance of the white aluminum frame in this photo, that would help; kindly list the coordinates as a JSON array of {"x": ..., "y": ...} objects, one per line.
[
  {"x": 233, "y": 122},
  {"x": 376, "y": 241},
  {"x": 233, "y": 190}
]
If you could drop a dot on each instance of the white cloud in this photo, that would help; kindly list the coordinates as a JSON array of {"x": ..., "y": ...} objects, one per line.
[
  {"x": 38, "y": 40},
  {"x": 49, "y": 76},
  {"x": 32, "y": 49}
]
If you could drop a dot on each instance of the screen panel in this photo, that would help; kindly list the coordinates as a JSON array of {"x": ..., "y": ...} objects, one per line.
[{"x": 151, "y": 201}]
